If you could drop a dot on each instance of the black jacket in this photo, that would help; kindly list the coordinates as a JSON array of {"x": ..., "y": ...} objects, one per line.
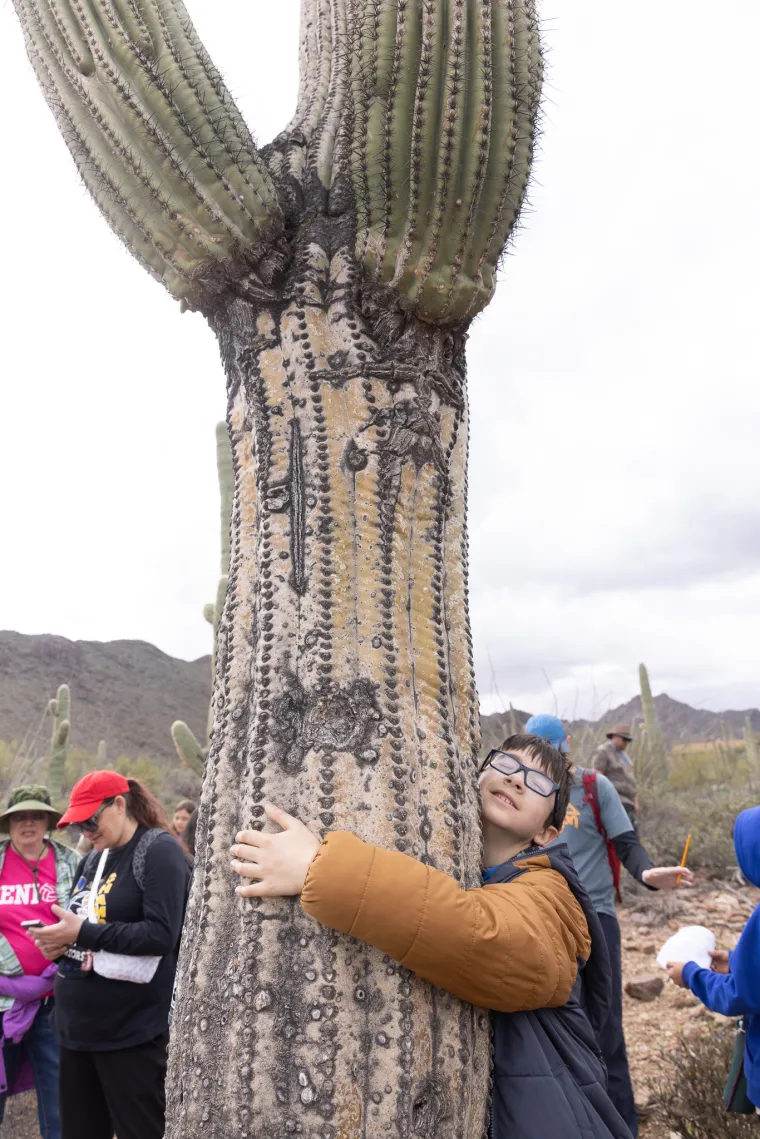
[
  {"x": 549, "y": 1076},
  {"x": 140, "y": 914}
]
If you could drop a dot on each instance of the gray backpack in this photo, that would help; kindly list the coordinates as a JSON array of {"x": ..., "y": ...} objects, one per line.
[{"x": 138, "y": 861}]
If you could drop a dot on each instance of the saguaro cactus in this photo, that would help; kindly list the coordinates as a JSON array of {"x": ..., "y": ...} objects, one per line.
[
  {"x": 340, "y": 268},
  {"x": 188, "y": 748},
  {"x": 60, "y": 709},
  {"x": 652, "y": 767}
]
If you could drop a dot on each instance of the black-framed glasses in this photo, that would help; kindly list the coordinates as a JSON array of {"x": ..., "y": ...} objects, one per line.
[
  {"x": 507, "y": 764},
  {"x": 89, "y": 826}
]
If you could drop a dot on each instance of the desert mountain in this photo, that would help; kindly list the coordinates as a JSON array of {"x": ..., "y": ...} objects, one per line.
[
  {"x": 126, "y": 692},
  {"x": 680, "y": 722},
  {"x": 129, "y": 693}
]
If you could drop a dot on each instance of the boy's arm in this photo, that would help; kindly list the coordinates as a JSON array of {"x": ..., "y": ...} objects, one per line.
[{"x": 507, "y": 948}]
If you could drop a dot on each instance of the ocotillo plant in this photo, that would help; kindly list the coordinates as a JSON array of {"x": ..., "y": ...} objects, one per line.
[
  {"x": 340, "y": 267},
  {"x": 60, "y": 710},
  {"x": 188, "y": 748},
  {"x": 652, "y": 766}
]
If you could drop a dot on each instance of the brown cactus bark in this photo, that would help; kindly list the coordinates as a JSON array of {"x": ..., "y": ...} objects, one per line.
[{"x": 345, "y": 693}]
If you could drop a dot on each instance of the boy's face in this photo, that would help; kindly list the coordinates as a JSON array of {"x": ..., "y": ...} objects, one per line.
[{"x": 508, "y": 804}]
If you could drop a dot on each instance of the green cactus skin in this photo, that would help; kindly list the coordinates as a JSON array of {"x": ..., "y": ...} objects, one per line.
[
  {"x": 102, "y": 755},
  {"x": 60, "y": 709},
  {"x": 425, "y": 111},
  {"x": 340, "y": 268},
  {"x": 652, "y": 768},
  {"x": 188, "y": 749},
  {"x": 157, "y": 138}
]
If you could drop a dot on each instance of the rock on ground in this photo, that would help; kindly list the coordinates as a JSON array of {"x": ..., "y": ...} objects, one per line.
[
  {"x": 645, "y": 987},
  {"x": 21, "y": 1118}
]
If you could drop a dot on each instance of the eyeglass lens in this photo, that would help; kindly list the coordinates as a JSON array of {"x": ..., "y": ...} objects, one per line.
[{"x": 536, "y": 780}]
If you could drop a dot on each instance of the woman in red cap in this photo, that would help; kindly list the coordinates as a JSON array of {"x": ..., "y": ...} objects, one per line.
[{"x": 116, "y": 945}]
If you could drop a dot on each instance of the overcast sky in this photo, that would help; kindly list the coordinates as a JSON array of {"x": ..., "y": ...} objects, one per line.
[{"x": 615, "y": 468}]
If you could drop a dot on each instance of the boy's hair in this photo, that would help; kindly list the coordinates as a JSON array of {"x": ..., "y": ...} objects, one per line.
[{"x": 552, "y": 762}]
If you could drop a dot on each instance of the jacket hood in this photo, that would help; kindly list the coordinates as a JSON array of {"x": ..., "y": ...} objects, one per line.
[{"x": 747, "y": 844}]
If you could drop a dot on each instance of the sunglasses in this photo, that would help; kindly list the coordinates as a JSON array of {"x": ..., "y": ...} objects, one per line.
[
  {"x": 89, "y": 826},
  {"x": 507, "y": 764}
]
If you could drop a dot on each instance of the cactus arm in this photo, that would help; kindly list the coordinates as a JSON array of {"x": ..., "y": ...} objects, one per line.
[
  {"x": 156, "y": 137},
  {"x": 60, "y": 710},
  {"x": 466, "y": 138},
  {"x": 398, "y": 125},
  {"x": 188, "y": 748}
]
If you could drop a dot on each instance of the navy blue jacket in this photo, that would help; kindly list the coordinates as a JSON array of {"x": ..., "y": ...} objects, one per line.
[{"x": 549, "y": 1076}]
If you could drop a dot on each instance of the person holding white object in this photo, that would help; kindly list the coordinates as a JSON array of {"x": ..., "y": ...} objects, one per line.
[{"x": 732, "y": 985}]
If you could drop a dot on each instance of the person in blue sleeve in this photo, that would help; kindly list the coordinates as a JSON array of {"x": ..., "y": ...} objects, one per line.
[{"x": 732, "y": 986}]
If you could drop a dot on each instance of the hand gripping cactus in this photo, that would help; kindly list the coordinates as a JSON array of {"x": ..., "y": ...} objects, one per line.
[
  {"x": 188, "y": 748},
  {"x": 340, "y": 268},
  {"x": 60, "y": 709}
]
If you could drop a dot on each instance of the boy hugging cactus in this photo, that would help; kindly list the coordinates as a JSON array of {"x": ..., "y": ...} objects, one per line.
[{"x": 527, "y": 944}]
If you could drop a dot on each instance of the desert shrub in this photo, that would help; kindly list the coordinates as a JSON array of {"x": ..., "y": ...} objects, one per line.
[
  {"x": 690, "y": 1090},
  {"x": 715, "y": 763},
  {"x": 706, "y": 814},
  {"x": 16, "y": 767}
]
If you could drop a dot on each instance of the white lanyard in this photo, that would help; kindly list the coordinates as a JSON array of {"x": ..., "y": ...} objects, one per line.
[{"x": 92, "y": 899}]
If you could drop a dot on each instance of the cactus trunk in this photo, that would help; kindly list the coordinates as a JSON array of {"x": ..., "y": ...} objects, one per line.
[
  {"x": 344, "y": 692},
  {"x": 340, "y": 268}
]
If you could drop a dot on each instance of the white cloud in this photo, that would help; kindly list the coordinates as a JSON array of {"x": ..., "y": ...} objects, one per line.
[{"x": 615, "y": 410}]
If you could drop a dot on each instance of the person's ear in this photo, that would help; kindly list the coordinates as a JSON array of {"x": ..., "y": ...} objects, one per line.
[
  {"x": 121, "y": 803},
  {"x": 546, "y": 837}
]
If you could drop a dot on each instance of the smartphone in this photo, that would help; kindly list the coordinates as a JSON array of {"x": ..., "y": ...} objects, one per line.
[{"x": 35, "y": 923}]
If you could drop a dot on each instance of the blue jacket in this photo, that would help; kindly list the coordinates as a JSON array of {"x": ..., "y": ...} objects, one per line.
[
  {"x": 738, "y": 993},
  {"x": 549, "y": 1077}
]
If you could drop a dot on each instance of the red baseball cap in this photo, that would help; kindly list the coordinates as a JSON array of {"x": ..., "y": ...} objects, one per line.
[{"x": 87, "y": 795}]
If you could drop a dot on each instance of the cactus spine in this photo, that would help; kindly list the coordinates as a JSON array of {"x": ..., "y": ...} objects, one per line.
[
  {"x": 190, "y": 751},
  {"x": 60, "y": 710},
  {"x": 340, "y": 268},
  {"x": 652, "y": 767}
]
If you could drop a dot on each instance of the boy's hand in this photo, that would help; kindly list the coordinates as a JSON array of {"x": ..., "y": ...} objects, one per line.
[
  {"x": 720, "y": 962},
  {"x": 278, "y": 862},
  {"x": 674, "y": 970},
  {"x": 666, "y": 877}
]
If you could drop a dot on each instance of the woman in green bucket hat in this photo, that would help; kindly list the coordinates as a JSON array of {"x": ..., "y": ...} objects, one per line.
[{"x": 36, "y": 872}]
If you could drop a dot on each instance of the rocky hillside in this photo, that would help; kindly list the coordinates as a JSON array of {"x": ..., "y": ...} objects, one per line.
[
  {"x": 129, "y": 692},
  {"x": 126, "y": 692},
  {"x": 680, "y": 723}
]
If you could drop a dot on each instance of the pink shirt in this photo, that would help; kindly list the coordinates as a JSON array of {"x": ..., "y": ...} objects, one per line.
[{"x": 19, "y": 901}]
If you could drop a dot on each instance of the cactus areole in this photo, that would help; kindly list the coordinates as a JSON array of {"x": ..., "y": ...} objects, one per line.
[{"x": 339, "y": 267}]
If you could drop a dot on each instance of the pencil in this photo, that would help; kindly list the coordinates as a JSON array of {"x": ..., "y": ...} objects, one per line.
[{"x": 684, "y": 857}]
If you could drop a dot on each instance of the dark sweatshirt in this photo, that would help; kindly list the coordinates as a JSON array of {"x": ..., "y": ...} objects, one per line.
[{"x": 94, "y": 1013}]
